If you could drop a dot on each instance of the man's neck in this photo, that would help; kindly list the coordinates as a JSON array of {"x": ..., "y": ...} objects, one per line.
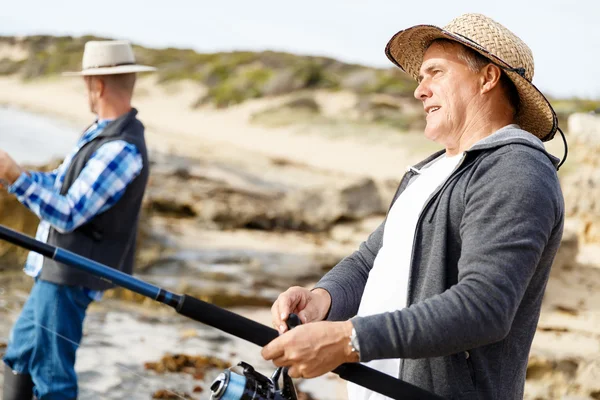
[
  {"x": 480, "y": 127},
  {"x": 112, "y": 111}
]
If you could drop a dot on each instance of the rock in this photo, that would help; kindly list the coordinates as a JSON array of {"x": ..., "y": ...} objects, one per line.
[
  {"x": 582, "y": 202},
  {"x": 226, "y": 197},
  {"x": 194, "y": 365},
  {"x": 188, "y": 333},
  {"x": 567, "y": 310},
  {"x": 584, "y": 136},
  {"x": 360, "y": 80},
  {"x": 582, "y": 189},
  {"x": 321, "y": 208},
  {"x": 303, "y": 102},
  {"x": 392, "y": 111},
  {"x": 554, "y": 376},
  {"x": 567, "y": 252},
  {"x": 16, "y": 216},
  {"x": 198, "y": 389},
  {"x": 152, "y": 244},
  {"x": 231, "y": 278},
  {"x": 589, "y": 379},
  {"x": 167, "y": 394},
  {"x": 281, "y": 82},
  {"x": 564, "y": 378}
]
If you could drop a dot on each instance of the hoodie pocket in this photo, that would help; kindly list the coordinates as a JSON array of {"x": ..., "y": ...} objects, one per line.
[
  {"x": 470, "y": 367},
  {"x": 465, "y": 372}
]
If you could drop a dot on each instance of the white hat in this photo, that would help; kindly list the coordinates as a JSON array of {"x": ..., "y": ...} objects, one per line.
[{"x": 108, "y": 57}]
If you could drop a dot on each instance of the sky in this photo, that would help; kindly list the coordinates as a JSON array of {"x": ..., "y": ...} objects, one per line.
[{"x": 563, "y": 35}]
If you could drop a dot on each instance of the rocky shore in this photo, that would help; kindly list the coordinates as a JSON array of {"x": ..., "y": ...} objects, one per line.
[{"x": 235, "y": 222}]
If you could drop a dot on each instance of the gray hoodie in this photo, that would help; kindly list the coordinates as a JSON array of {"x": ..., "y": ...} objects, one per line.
[{"x": 482, "y": 253}]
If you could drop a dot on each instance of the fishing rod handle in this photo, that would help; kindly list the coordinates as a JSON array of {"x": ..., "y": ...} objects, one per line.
[
  {"x": 226, "y": 321},
  {"x": 261, "y": 335}
]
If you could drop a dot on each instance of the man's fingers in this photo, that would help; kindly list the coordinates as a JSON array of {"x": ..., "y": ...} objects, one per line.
[
  {"x": 281, "y": 361},
  {"x": 306, "y": 315},
  {"x": 275, "y": 315},
  {"x": 279, "y": 314},
  {"x": 282, "y": 325},
  {"x": 273, "y": 350},
  {"x": 293, "y": 300},
  {"x": 294, "y": 371},
  {"x": 288, "y": 301},
  {"x": 278, "y": 317}
]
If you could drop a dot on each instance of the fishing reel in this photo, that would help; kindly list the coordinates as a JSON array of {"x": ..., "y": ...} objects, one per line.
[{"x": 252, "y": 385}]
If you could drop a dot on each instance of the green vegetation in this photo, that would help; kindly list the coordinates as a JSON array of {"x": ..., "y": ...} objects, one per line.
[
  {"x": 300, "y": 110},
  {"x": 230, "y": 78},
  {"x": 233, "y": 77},
  {"x": 386, "y": 111}
]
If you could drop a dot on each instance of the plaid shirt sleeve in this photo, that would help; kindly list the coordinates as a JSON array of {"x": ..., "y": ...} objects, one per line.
[
  {"x": 46, "y": 179},
  {"x": 99, "y": 186}
]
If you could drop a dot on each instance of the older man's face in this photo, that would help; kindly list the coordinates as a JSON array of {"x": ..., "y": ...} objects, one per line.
[{"x": 449, "y": 91}]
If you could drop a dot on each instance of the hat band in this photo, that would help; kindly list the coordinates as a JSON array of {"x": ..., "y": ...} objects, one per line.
[
  {"x": 518, "y": 70},
  {"x": 109, "y": 66}
]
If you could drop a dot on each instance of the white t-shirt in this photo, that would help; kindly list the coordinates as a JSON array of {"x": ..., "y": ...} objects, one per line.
[{"x": 387, "y": 286}]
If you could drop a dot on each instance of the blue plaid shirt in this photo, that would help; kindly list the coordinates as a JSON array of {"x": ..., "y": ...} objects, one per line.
[{"x": 99, "y": 186}]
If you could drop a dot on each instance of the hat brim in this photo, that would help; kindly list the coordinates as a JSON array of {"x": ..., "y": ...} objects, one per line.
[
  {"x": 407, "y": 47},
  {"x": 120, "y": 69}
]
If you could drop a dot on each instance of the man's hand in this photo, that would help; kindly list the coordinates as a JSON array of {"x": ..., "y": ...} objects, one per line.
[
  {"x": 310, "y": 306},
  {"x": 9, "y": 169},
  {"x": 312, "y": 350}
]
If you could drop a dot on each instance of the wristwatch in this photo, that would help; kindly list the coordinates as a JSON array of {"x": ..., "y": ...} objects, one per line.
[{"x": 354, "y": 343}]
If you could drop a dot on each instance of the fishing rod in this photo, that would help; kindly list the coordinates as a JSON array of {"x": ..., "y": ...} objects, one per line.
[{"x": 250, "y": 385}]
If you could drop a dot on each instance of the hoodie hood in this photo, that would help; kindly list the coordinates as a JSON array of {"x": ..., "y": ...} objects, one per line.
[
  {"x": 513, "y": 134},
  {"x": 510, "y": 134}
]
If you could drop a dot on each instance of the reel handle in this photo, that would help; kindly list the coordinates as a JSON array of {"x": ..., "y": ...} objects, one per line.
[{"x": 292, "y": 321}]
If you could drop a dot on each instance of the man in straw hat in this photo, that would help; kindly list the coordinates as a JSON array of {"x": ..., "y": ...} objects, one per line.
[
  {"x": 89, "y": 205},
  {"x": 446, "y": 293}
]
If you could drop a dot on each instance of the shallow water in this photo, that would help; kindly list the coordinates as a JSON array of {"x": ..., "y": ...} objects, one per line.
[{"x": 35, "y": 139}]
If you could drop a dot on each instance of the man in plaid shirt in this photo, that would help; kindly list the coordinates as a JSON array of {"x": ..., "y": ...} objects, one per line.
[{"x": 90, "y": 205}]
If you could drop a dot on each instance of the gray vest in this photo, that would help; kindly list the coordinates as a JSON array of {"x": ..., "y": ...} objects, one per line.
[{"x": 108, "y": 238}]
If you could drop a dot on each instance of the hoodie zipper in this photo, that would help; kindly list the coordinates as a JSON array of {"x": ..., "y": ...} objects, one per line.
[{"x": 419, "y": 220}]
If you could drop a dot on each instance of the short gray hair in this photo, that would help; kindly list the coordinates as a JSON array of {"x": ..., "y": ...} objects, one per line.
[
  {"x": 475, "y": 61},
  {"x": 122, "y": 82}
]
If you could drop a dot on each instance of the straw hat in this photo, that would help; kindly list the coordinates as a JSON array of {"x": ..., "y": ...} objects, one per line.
[
  {"x": 108, "y": 57},
  {"x": 492, "y": 40}
]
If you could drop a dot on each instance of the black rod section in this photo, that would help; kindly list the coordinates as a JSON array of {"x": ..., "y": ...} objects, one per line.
[{"x": 26, "y": 242}]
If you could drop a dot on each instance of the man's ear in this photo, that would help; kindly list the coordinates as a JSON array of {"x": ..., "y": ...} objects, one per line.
[
  {"x": 96, "y": 85},
  {"x": 100, "y": 86},
  {"x": 490, "y": 77}
]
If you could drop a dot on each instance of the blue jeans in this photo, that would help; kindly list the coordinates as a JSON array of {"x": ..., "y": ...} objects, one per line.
[{"x": 45, "y": 338}]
